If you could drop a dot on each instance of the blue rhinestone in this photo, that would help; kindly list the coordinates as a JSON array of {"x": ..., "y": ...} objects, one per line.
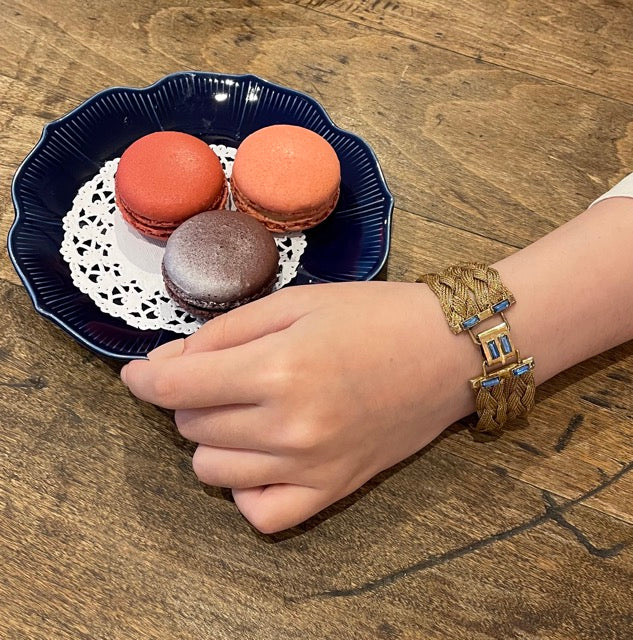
[
  {"x": 500, "y": 306},
  {"x": 494, "y": 350},
  {"x": 519, "y": 371},
  {"x": 490, "y": 382},
  {"x": 470, "y": 322},
  {"x": 506, "y": 347}
]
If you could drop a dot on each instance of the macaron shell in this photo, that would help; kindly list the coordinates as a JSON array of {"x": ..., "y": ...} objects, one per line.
[
  {"x": 219, "y": 258},
  {"x": 168, "y": 176},
  {"x": 287, "y": 169}
]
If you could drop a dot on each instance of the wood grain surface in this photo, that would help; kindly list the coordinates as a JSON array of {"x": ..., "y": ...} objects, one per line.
[{"x": 494, "y": 123}]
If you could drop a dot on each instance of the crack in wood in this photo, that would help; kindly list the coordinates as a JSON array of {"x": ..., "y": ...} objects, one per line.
[
  {"x": 553, "y": 513},
  {"x": 599, "y": 402},
  {"x": 574, "y": 424},
  {"x": 530, "y": 448},
  {"x": 606, "y": 552},
  {"x": 620, "y": 377},
  {"x": 34, "y": 382}
]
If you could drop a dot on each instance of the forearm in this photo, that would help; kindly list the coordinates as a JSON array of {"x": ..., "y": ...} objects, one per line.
[
  {"x": 574, "y": 288},
  {"x": 574, "y": 293}
]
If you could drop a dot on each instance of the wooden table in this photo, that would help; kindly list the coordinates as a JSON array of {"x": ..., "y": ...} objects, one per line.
[{"x": 494, "y": 123}]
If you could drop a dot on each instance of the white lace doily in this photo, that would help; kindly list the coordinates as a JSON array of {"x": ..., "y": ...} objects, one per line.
[{"x": 119, "y": 268}]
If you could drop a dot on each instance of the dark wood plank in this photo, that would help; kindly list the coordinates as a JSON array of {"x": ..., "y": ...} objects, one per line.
[
  {"x": 584, "y": 44},
  {"x": 105, "y": 531},
  {"x": 420, "y": 245},
  {"x": 111, "y": 536},
  {"x": 496, "y": 152}
]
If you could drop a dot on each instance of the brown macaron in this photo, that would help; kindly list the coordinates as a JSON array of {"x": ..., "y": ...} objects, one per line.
[
  {"x": 287, "y": 177},
  {"x": 217, "y": 261}
]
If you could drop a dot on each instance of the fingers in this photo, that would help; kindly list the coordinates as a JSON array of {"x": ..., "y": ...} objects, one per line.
[
  {"x": 230, "y": 376},
  {"x": 232, "y": 426},
  {"x": 280, "y": 506},
  {"x": 238, "y": 468},
  {"x": 168, "y": 350},
  {"x": 259, "y": 318}
]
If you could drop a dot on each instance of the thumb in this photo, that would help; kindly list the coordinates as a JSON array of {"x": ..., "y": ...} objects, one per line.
[
  {"x": 270, "y": 314},
  {"x": 280, "y": 506}
]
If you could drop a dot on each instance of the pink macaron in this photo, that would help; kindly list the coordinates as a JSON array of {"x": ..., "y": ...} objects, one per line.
[
  {"x": 165, "y": 178},
  {"x": 287, "y": 177}
]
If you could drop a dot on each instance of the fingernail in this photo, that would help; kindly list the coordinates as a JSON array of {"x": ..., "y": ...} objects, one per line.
[
  {"x": 168, "y": 350},
  {"x": 124, "y": 375}
]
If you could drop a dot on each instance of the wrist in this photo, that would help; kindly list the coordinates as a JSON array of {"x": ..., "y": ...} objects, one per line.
[
  {"x": 473, "y": 299},
  {"x": 455, "y": 360}
]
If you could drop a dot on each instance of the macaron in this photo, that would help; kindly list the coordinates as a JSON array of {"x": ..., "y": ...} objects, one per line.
[
  {"x": 287, "y": 177},
  {"x": 166, "y": 177},
  {"x": 217, "y": 261}
]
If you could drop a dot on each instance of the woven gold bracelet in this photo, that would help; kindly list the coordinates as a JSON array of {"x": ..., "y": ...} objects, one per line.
[{"x": 470, "y": 293}]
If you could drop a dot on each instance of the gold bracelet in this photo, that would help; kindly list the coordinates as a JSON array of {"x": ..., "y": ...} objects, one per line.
[{"x": 468, "y": 294}]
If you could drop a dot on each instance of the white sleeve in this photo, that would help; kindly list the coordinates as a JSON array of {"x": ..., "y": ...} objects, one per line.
[{"x": 624, "y": 189}]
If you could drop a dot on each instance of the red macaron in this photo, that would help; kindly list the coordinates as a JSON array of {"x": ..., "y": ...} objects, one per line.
[
  {"x": 287, "y": 177},
  {"x": 166, "y": 177}
]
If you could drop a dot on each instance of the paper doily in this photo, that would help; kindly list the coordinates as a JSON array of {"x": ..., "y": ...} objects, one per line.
[{"x": 119, "y": 268}]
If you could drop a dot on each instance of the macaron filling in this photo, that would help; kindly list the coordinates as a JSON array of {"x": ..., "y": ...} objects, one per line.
[
  {"x": 280, "y": 222},
  {"x": 206, "y": 309},
  {"x": 160, "y": 229}
]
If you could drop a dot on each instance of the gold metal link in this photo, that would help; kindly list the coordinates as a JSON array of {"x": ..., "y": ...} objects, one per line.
[
  {"x": 468, "y": 294},
  {"x": 467, "y": 290}
]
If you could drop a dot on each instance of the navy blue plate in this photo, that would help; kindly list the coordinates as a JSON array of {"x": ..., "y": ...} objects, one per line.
[{"x": 352, "y": 244}]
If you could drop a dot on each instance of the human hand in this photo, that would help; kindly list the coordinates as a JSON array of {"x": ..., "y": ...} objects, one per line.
[{"x": 298, "y": 399}]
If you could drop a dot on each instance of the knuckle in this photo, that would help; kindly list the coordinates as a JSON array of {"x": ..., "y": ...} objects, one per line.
[
  {"x": 303, "y": 437},
  {"x": 200, "y": 466},
  {"x": 288, "y": 369},
  {"x": 183, "y": 422},
  {"x": 164, "y": 389},
  {"x": 210, "y": 335},
  {"x": 264, "y": 521},
  {"x": 220, "y": 327},
  {"x": 282, "y": 371},
  {"x": 294, "y": 294},
  {"x": 283, "y": 293}
]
